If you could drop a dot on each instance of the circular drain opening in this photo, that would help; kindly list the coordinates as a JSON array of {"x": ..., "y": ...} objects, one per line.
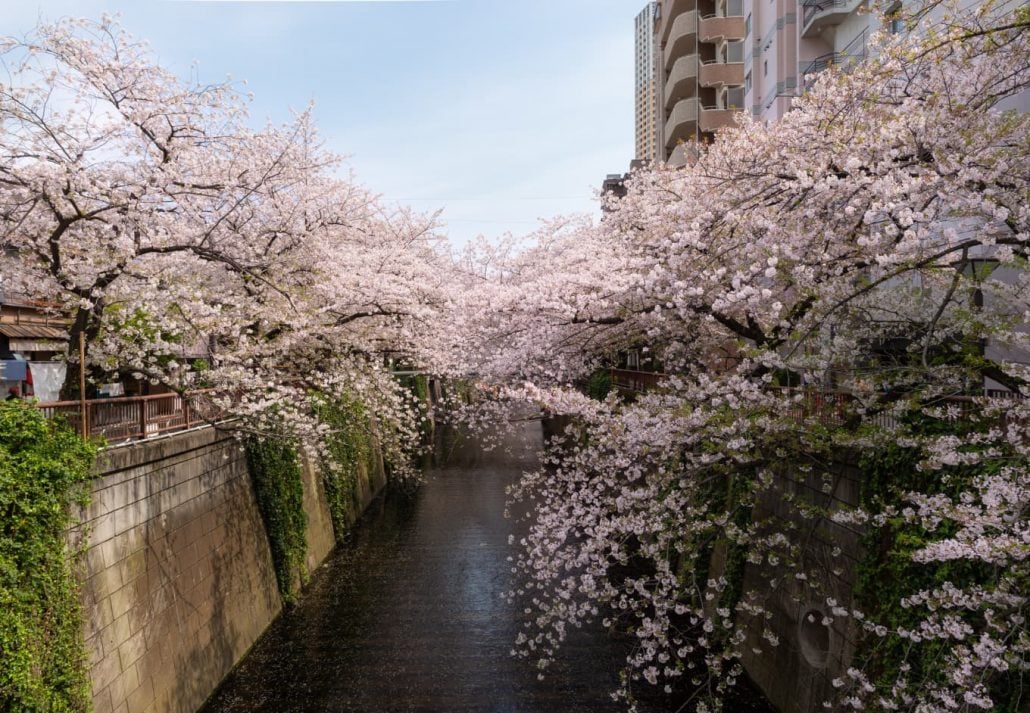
[{"x": 814, "y": 637}]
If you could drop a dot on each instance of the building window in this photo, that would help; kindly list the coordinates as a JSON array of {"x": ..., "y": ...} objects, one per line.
[
  {"x": 765, "y": 68},
  {"x": 747, "y": 82},
  {"x": 895, "y": 20}
]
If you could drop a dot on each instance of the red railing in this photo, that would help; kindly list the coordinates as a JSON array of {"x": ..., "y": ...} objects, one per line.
[
  {"x": 124, "y": 419},
  {"x": 828, "y": 407}
]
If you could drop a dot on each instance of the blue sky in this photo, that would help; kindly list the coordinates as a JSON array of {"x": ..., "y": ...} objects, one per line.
[{"x": 500, "y": 112}]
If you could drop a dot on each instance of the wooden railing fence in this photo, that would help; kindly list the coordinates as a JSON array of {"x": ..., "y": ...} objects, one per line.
[{"x": 135, "y": 417}]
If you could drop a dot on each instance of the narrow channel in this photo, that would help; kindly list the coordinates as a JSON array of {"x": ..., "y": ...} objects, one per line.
[{"x": 408, "y": 615}]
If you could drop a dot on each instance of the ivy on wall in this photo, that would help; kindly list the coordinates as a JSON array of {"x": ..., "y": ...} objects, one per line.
[
  {"x": 275, "y": 471},
  {"x": 350, "y": 454},
  {"x": 887, "y": 572},
  {"x": 350, "y": 449},
  {"x": 599, "y": 384},
  {"x": 44, "y": 468}
]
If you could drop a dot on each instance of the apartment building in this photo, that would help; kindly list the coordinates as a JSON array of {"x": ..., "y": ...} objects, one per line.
[
  {"x": 645, "y": 83},
  {"x": 699, "y": 48},
  {"x": 717, "y": 57}
]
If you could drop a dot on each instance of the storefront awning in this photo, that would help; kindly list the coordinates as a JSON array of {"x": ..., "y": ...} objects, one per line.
[
  {"x": 35, "y": 337},
  {"x": 33, "y": 331}
]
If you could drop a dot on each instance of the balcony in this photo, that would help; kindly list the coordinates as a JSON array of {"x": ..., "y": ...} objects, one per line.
[
  {"x": 717, "y": 74},
  {"x": 682, "y": 38},
  {"x": 713, "y": 118},
  {"x": 683, "y": 154},
  {"x": 817, "y": 14},
  {"x": 682, "y": 123},
  {"x": 716, "y": 28},
  {"x": 681, "y": 81},
  {"x": 855, "y": 52},
  {"x": 670, "y": 13},
  {"x": 819, "y": 64}
]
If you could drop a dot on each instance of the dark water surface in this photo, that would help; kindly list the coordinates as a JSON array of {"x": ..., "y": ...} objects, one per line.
[{"x": 409, "y": 616}]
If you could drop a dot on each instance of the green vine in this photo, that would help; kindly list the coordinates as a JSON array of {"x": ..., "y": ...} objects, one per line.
[
  {"x": 599, "y": 384},
  {"x": 275, "y": 471},
  {"x": 351, "y": 452},
  {"x": 44, "y": 468},
  {"x": 738, "y": 502},
  {"x": 887, "y": 572}
]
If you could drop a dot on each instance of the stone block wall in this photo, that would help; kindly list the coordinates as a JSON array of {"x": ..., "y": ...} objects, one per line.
[{"x": 177, "y": 575}]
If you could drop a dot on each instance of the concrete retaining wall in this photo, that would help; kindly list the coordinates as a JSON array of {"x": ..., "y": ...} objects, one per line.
[
  {"x": 177, "y": 577},
  {"x": 797, "y": 675},
  {"x": 321, "y": 540}
]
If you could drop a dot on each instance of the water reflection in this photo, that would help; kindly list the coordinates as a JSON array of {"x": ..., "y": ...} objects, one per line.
[{"x": 409, "y": 614}]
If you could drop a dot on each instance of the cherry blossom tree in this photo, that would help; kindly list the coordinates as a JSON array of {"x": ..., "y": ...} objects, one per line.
[
  {"x": 872, "y": 245},
  {"x": 160, "y": 220}
]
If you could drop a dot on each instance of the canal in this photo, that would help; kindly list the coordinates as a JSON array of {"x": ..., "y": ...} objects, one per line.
[{"x": 409, "y": 613}]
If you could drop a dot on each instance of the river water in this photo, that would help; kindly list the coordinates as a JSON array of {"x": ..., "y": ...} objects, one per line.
[{"x": 408, "y": 615}]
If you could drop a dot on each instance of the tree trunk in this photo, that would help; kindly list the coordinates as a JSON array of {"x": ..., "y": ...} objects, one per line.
[{"x": 86, "y": 324}]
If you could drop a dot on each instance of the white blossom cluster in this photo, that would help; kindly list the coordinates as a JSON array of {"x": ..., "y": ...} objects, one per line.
[
  {"x": 150, "y": 211},
  {"x": 871, "y": 247}
]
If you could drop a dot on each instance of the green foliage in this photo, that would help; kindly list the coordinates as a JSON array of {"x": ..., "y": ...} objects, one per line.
[
  {"x": 599, "y": 385},
  {"x": 418, "y": 385},
  {"x": 420, "y": 388},
  {"x": 887, "y": 573},
  {"x": 728, "y": 494},
  {"x": 738, "y": 503},
  {"x": 351, "y": 450},
  {"x": 44, "y": 469},
  {"x": 275, "y": 470},
  {"x": 460, "y": 390}
]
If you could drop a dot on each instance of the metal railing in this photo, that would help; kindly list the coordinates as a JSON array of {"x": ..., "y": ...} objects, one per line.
[
  {"x": 837, "y": 408},
  {"x": 131, "y": 418},
  {"x": 855, "y": 52},
  {"x": 814, "y": 7}
]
